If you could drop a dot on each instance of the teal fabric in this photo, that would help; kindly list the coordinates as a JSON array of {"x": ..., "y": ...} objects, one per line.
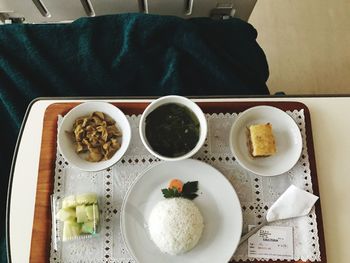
[{"x": 130, "y": 54}]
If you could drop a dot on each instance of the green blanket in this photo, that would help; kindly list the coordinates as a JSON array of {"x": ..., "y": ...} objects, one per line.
[{"x": 131, "y": 54}]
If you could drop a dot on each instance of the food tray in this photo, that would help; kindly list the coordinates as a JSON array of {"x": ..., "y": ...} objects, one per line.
[{"x": 41, "y": 234}]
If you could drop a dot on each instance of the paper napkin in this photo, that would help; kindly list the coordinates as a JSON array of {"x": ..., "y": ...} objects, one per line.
[{"x": 294, "y": 202}]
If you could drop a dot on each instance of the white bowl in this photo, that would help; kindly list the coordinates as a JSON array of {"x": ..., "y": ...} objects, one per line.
[
  {"x": 181, "y": 101},
  {"x": 66, "y": 145}
]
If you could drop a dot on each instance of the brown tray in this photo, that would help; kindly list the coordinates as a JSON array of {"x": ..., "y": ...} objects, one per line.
[{"x": 41, "y": 234}]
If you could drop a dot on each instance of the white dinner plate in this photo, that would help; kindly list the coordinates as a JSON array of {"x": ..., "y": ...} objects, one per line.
[
  {"x": 287, "y": 136},
  {"x": 217, "y": 201}
]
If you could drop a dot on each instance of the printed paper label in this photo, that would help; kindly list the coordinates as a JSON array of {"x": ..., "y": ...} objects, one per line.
[{"x": 273, "y": 242}]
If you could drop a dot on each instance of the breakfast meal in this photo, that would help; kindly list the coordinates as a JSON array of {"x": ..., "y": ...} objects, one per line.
[
  {"x": 261, "y": 141},
  {"x": 176, "y": 224},
  {"x": 172, "y": 130},
  {"x": 96, "y": 136},
  {"x": 80, "y": 215}
]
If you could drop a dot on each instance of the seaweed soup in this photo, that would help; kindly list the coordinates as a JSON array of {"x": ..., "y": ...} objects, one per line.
[{"x": 172, "y": 130}]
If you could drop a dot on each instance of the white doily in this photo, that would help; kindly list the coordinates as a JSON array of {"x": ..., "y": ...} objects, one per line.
[{"x": 256, "y": 194}]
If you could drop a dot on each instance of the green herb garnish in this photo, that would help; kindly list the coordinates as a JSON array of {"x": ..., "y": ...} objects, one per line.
[{"x": 189, "y": 190}]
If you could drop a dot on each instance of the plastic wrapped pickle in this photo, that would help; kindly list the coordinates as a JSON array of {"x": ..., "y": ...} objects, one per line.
[{"x": 80, "y": 215}]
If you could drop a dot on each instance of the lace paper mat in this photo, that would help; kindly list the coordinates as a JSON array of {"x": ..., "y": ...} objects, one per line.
[{"x": 255, "y": 193}]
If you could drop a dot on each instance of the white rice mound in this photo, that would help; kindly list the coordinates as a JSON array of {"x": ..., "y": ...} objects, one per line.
[{"x": 175, "y": 225}]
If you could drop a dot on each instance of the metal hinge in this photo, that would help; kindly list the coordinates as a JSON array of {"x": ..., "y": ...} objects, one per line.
[
  {"x": 222, "y": 11},
  {"x": 10, "y": 18}
]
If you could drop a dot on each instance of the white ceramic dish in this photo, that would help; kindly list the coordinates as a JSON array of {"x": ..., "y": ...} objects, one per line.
[
  {"x": 217, "y": 201},
  {"x": 287, "y": 135},
  {"x": 182, "y": 101},
  {"x": 66, "y": 145}
]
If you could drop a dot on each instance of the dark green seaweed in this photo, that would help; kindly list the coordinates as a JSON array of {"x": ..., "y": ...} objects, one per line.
[{"x": 172, "y": 130}]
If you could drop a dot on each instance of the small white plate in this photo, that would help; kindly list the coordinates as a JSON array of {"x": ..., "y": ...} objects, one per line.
[
  {"x": 217, "y": 201},
  {"x": 287, "y": 135}
]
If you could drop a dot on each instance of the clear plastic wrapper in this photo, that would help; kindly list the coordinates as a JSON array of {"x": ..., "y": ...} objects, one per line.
[{"x": 75, "y": 217}]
